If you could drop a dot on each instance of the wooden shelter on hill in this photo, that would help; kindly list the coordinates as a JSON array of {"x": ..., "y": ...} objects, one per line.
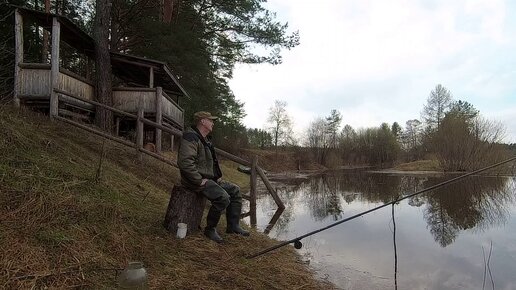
[{"x": 141, "y": 82}]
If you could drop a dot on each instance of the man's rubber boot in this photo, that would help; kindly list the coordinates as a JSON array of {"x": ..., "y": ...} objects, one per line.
[
  {"x": 211, "y": 223},
  {"x": 212, "y": 234},
  {"x": 233, "y": 219}
]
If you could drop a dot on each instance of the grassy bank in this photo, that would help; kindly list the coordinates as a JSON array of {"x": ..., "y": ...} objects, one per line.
[
  {"x": 65, "y": 223},
  {"x": 420, "y": 165}
]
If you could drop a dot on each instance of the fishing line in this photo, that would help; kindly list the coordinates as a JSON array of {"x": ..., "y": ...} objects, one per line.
[{"x": 297, "y": 240}]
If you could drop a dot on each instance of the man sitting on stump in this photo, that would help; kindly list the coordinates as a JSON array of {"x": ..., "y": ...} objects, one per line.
[{"x": 200, "y": 172}]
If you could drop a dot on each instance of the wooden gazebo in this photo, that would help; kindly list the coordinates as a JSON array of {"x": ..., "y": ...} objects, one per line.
[{"x": 147, "y": 83}]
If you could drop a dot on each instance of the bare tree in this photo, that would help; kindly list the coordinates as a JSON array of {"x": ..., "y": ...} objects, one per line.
[
  {"x": 280, "y": 124},
  {"x": 104, "y": 118},
  {"x": 435, "y": 109},
  {"x": 318, "y": 139}
]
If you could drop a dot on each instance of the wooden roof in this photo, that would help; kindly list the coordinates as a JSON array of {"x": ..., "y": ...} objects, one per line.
[{"x": 132, "y": 69}]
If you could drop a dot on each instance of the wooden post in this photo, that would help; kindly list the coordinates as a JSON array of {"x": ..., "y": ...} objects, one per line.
[
  {"x": 54, "y": 63},
  {"x": 18, "y": 57},
  {"x": 252, "y": 203},
  {"x": 139, "y": 129},
  {"x": 159, "y": 117},
  {"x": 273, "y": 192},
  {"x": 44, "y": 50},
  {"x": 151, "y": 77}
]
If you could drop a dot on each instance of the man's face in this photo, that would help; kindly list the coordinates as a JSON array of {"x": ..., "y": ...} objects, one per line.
[{"x": 208, "y": 124}]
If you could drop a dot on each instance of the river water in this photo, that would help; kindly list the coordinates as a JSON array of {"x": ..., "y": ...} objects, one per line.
[{"x": 460, "y": 236}]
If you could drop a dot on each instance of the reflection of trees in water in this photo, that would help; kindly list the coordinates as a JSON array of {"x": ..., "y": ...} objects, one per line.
[
  {"x": 289, "y": 194},
  {"x": 476, "y": 203},
  {"x": 324, "y": 193},
  {"x": 322, "y": 197}
]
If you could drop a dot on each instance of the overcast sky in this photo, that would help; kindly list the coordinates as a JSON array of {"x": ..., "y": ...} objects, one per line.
[{"x": 377, "y": 61}]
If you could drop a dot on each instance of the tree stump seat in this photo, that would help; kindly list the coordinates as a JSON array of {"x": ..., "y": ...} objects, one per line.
[{"x": 185, "y": 206}]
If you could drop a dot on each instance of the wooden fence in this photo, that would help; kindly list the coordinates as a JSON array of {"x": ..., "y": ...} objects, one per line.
[{"x": 138, "y": 145}]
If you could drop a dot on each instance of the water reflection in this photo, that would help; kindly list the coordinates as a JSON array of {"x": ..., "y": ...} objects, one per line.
[
  {"x": 474, "y": 203},
  {"x": 471, "y": 206}
]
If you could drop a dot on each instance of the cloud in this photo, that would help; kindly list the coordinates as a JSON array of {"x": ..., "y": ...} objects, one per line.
[{"x": 377, "y": 61}]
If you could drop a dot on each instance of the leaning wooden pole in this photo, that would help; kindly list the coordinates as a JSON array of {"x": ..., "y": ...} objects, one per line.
[{"x": 271, "y": 189}]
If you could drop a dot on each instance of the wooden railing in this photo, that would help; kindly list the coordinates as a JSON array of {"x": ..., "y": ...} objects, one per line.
[
  {"x": 34, "y": 82},
  {"x": 140, "y": 121}
]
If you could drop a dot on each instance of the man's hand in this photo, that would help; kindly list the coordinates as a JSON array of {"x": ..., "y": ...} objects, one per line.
[
  {"x": 219, "y": 180},
  {"x": 203, "y": 181}
]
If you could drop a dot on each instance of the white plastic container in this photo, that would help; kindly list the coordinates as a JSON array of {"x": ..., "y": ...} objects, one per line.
[{"x": 181, "y": 230}]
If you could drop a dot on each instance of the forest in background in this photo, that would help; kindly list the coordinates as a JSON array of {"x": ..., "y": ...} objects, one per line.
[{"x": 202, "y": 40}]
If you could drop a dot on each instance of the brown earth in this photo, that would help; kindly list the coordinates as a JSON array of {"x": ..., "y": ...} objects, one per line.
[{"x": 282, "y": 161}]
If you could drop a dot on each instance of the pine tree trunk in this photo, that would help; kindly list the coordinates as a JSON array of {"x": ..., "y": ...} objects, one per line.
[
  {"x": 104, "y": 118},
  {"x": 186, "y": 207}
]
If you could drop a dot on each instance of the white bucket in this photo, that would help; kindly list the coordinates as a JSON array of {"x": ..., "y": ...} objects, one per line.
[{"x": 181, "y": 230}]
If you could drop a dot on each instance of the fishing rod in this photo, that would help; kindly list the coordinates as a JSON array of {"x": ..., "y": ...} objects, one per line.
[{"x": 297, "y": 240}]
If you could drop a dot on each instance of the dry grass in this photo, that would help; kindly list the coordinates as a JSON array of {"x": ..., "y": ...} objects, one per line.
[
  {"x": 420, "y": 165},
  {"x": 283, "y": 160},
  {"x": 62, "y": 228}
]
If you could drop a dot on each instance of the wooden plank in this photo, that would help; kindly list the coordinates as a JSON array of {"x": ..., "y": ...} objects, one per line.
[
  {"x": 159, "y": 157},
  {"x": 172, "y": 131},
  {"x": 27, "y": 65},
  {"x": 273, "y": 192},
  {"x": 76, "y": 87},
  {"x": 119, "y": 140},
  {"x": 34, "y": 97},
  {"x": 54, "y": 62},
  {"x": 134, "y": 89},
  {"x": 76, "y": 76},
  {"x": 232, "y": 157},
  {"x": 97, "y": 104},
  {"x": 75, "y": 102},
  {"x": 34, "y": 82},
  {"x": 95, "y": 131},
  {"x": 114, "y": 58},
  {"x": 18, "y": 57},
  {"x": 65, "y": 112},
  {"x": 159, "y": 117},
  {"x": 165, "y": 129},
  {"x": 130, "y": 100}
]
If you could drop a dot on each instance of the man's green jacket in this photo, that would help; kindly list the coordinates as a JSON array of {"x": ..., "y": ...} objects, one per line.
[{"x": 197, "y": 159}]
